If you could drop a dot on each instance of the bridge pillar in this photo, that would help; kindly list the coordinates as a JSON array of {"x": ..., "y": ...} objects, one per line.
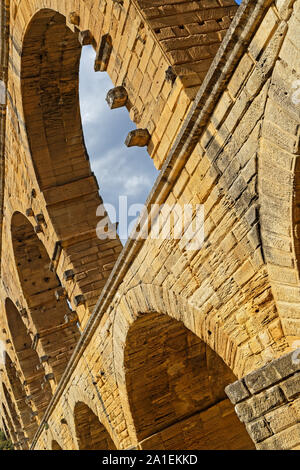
[{"x": 268, "y": 402}]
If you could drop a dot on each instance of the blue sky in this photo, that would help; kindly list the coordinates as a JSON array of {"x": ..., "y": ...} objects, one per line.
[{"x": 120, "y": 171}]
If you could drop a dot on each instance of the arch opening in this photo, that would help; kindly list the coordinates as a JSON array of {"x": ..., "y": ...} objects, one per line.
[
  {"x": 90, "y": 433},
  {"x": 53, "y": 339},
  {"x": 175, "y": 385},
  {"x": 5, "y": 429},
  {"x": 29, "y": 424},
  {"x": 124, "y": 172},
  {"x": 12, "y": 410},
  {"x": 50, "y": 92},
  {"x": 9, "y": 427},
  {"x": 28, "y": 359}
]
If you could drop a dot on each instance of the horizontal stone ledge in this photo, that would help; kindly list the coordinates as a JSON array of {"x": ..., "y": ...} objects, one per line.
[{"x": 258, "y": 405}]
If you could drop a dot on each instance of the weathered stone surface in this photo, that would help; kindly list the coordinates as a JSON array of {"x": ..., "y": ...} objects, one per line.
[
  {"x": 262, "y": 378},
  {"x": 117, "y": 97},
  {"x": 259, "y": 430},
  {"x": 69, "y": 275},
  {"x": 85, "y": 37},
  {"x": 103, "y": 54},
  {"x": 291, "y": 387},
  {"x": 138, "y": 138},
  {"x": 160, "y": 330},
  {"x": 237, "y": 392}
]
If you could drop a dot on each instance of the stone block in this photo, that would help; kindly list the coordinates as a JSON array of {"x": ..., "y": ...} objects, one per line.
[
  {"x": 259, "y": 430},
  {"x": 74, "y": 18},
  {"x": 40, "y": 219},
  {"x": 286, "y": 365},
  {"x": 69, "y": 275},
  {"x": 38, "y": 228},
  {"x": 291, "y": 386},
  {"x": 79, "y": 300},
  {"x": 117, "y": 97},
  {"x": 260, "y": 379},
  {"x": 103, "y": 54},
  {"x": 29, "y": 212},
  {"x": 85, "y": 38},
  {"x": 49, "y": 377},
  {"x": 60, "y": 293},
  {"x": 237, "y": 392},
  {"x": 138, "y": 138}
]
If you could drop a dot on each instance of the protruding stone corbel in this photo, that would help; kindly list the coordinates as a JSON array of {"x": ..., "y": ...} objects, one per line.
[
  {"x": 79, "y": 300},
  {"x": 29, "y": 212},
  {"x": 69, "y": 275},
  {"x": 35, "y": 341},
  {"x": 49, "y": 377},
  {"x": 40, "y": 219},
  {"x": 23, "y": 313},
  {"x": 28, "y": 399},
  {"x": 44, "y": 359},
  {"x": 103, "y": 54},
  {"x": 117, "y": 97},
  {"x": 263, "y": 400},
  {"x": 74, "y": 18},
  {"x": 56, "y": 255},
  {"x": 138, "y": 138},
  {"x": 71, "y": 317},
  {"x": 38, "y": 228},
  {"x": 85, "y": 37},
  {"x": 60, "y": 293},
  {"x": 170, "y": 75}
]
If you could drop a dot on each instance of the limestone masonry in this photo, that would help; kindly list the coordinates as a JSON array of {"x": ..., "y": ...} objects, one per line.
[{"x": 154, "y": 345}]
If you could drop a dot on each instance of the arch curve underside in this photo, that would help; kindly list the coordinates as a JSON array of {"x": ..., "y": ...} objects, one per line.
[{"x": 175, "y": 386}]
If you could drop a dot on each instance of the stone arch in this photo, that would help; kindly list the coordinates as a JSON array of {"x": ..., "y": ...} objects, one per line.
[
  {"x": 19, "y": 394},
  {"x": 90, "y": 433},
  {"x": 11, "y": 407},
  {"x": 55, "y": 446},
  {"x": 175, "y": 385},
  {"x": 13, "y": 419},
  {"x": 53, "y": 338},
  {"x": 86, "y": 395},
  {"x": 208, "y": 339},
  {"x": 28, "y": 359},
  {"x": 11, "y": 430},
  {"x": 279, "y": 181},
  {"x": 153, "y": 298},
  {"x": 54, "y": 130},
  {"x": 5, "y": 429}
]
